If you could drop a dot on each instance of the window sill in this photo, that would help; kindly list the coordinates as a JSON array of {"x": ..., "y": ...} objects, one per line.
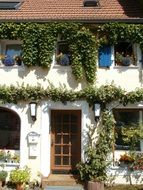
[
  {"x": 126, "y": 67},
  {"x": 21, "y": 67},
  {"x": 61, "y": 66},
  {"x": 9, "y": 164}
]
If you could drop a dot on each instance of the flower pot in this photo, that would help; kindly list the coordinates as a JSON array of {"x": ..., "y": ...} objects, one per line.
[
  {"x": 19, "y": 186},
  {"x": 8, "y": 61},
  {"x": 0, "y": 184},
  {"x": 93, "y": 185}
]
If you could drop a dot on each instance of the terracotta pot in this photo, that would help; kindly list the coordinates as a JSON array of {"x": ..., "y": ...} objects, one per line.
[
  {"x": 19, "y": 186},
  {"x": 93, "y": 185},
  {"x": 0, "y": 185}
]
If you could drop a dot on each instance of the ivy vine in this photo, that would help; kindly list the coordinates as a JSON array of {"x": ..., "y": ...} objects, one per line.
[
  {"x": 104, "y": 94},
  {"x": 112, "y": 33},
  {"x": 39, "y": 41}
]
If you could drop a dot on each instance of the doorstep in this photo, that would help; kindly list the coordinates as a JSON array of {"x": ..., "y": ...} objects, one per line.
[
  {"x": 60, "y": 180},
  {"x": 64, "y": 188}
]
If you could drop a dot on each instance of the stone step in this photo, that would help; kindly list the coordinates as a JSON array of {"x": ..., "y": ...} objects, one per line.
[
  {"x": 64, "y": 188},
  {"x": 60, "y": 180}
]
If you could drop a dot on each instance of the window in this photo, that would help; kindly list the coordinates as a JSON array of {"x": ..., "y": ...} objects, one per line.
[
  {"x": 63, "y": 55},
  {"x": 9, "y": 130},
  {"x": 11, "y": 53},
  {"x": 10, "y": 4},
  {"x": 91, "y": 3},
  {"x": 121, "y": 54},
  {"x": 126, "y": 119},
  {"x": 125, "y": 54}
]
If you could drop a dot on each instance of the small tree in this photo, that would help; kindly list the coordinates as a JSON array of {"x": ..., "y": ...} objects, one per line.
[{"x": 94, "y": 168}]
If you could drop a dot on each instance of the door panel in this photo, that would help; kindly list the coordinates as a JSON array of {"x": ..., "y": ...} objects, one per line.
[{"x": 65, "y": 140}]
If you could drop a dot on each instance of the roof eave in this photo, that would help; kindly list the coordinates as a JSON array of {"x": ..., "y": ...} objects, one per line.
[{"x": 93, "y": 21}]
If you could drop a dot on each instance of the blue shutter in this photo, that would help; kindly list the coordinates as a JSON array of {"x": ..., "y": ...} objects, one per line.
[{"x": 105, "y": 56}]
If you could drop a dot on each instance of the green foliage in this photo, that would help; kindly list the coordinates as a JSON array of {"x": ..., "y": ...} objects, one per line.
[
  {"x": 3, "y": 175},
  {"x": 104, "y": 94},
  {"x": 131, "y": 135},
  {"x": 19, "y": 175},
  {"x": 96, "y": 154},
  {"x": 2, "y": 155},
  {"x": 112, "y": 33},
  {"x": 39, "y": 42}
]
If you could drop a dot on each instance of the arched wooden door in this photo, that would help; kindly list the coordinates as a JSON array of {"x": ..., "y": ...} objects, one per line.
[{"x": 65, "y": 140}]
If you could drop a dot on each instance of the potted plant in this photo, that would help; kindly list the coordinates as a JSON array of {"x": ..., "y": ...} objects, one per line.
[
  {"x": 8, "y": 61},
  {"x": 118, "y": 58},
  {"x": 63, "y": 59},
  {"x": 123, "y": 59},
  {"x": 93, "y": 168},
  {"x": 126, "y": 159},
  {"x": 2, "y": 155},
  {"x": 20, "y": 176},
  {"x": 3, "y": 176},
  {"x": 18, "y": 60}
]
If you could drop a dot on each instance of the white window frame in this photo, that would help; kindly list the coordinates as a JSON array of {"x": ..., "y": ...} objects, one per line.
[
  {"x": 136, "y": 51},
  {"x": 57, "y": 51},
  {"x": 140, "y": 122}
]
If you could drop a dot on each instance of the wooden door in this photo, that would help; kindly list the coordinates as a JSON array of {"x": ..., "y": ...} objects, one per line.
[{"x": 65, "y": 140}]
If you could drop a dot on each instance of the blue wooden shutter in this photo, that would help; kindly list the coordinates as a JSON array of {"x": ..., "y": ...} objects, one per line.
[{"x": 105, "y": 56}]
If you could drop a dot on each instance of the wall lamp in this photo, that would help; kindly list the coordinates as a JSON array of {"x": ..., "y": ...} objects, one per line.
[
  {"x": 97, "y": 110},
  {"x": 33, "y": 110}
]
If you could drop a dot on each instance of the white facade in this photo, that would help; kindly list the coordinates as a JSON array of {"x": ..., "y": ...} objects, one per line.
[{"x": 128, "y": 78}]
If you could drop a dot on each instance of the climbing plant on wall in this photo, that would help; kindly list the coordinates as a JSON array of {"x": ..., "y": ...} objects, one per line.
[
  {"x": 39, "y": 43},
  {"x": 104, "y": 94},
  {"x": 112, "y": 33}
]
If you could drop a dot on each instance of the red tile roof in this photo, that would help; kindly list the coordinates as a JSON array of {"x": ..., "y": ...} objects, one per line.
[{"x": 50, "y": 10}]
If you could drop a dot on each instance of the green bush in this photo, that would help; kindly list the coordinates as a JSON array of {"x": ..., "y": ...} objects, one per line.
[
  {"x": 19, "y": 175},
  {"x": 3, "y": 175}
]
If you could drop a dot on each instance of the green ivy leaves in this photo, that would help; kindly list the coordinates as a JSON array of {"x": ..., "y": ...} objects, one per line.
[
  {"x": 39, "y": 44},
  {"x": 104, "y": 94}
]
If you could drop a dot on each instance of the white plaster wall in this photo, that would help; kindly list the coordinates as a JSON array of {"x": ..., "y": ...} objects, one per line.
[
  {"x": 128, "y": 78},
  {"x": 27, "y": 125}
]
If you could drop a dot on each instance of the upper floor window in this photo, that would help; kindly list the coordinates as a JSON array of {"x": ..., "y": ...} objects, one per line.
[
  {"x": 125, "y": 54},
  {"x": 63, "y": 55},
  {"x": 11, "y": 52},
  {"x": 121, "y": 54}
]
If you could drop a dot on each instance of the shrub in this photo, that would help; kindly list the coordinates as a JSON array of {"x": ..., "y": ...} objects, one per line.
[
  {"x": 19, "y": 175},
  {"x": 3, "y": 175}
]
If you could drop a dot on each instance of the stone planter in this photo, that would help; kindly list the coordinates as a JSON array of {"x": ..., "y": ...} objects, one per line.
[{"x": 93, "y": 185}]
